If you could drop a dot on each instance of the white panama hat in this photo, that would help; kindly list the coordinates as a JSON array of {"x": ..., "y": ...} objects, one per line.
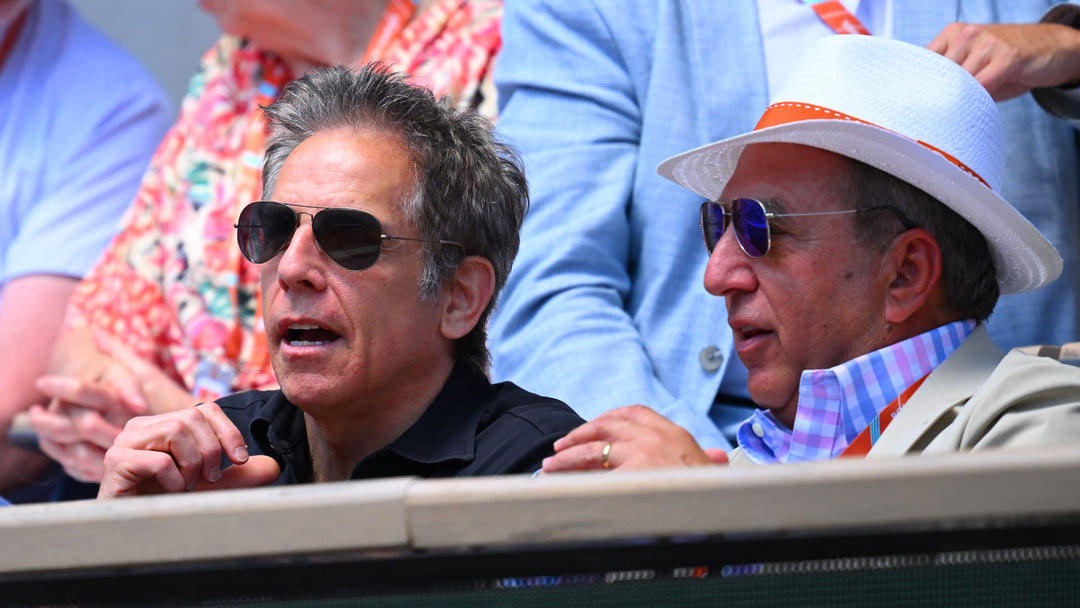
[{"x": 909, "y": 112}]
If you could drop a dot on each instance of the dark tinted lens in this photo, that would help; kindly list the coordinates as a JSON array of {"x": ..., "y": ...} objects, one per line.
[
  {"x": 351, "y": 237},
  {"x": 263, "y": 229},
  {"x": 712, "y": 224},
  {"x": 751, "y": 226}
]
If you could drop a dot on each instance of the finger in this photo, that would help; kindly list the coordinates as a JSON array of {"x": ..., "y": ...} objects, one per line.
[
  {"x": 87, "y": 463},
  {"x": 59, "y": 452},
  {"x": 130, "y": 472},
  {"x": 84, "y": 394},
  {"x": 93, "y": 428},
  {"x": 229, "y": 437},
  {"x": 54, "y": 426},
  {"x": 128, "y": 385},
  {"x": 717, "y": 456},
  {"x": 940, "y": 43},
  {"x": 975, "y": 59},
  {"x": 590, "y": 431},
  {"x": 606, "y": 428},
  {"x": 639, "y": 414},
  {"x": 184, "y": 435},
  {"x": 257, "y": 471},
  {"x": 995, "y": 78},
  {"x": 954, "y": 41},
  {"x": 580, "y": 457}
]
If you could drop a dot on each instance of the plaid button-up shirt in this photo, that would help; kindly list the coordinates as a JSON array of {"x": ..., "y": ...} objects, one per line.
[{"x": 836, "y": 404}]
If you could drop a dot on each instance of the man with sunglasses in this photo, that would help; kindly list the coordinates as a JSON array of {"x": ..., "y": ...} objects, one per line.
[
  {"x": 390, "y": 224},
  {"x": 859, "y": 241}
]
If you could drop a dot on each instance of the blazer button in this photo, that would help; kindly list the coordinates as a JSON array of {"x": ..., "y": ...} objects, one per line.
[{"x": 710, "y": 358}]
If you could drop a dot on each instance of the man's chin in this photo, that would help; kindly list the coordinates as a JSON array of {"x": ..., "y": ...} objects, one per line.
[{"x": 766, "y": 391}]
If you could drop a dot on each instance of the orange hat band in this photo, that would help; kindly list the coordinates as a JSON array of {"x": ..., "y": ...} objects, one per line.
[{"x": 790, "y": 112}]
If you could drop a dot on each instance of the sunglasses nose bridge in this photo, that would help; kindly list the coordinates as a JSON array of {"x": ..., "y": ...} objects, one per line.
[
  {"x": 311, "y": 216},
  {"x": 292, "y": 236}
]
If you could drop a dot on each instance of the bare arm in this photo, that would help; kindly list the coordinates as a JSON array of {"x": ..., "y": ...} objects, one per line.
[
  {"x": 31, "y": 313},
  {"x": 95, "y": 386}
]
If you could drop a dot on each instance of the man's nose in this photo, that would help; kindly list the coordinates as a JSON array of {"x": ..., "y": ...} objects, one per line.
[
  {"x": 729, "y": 269},
  {"x": 303, "y": 263}
]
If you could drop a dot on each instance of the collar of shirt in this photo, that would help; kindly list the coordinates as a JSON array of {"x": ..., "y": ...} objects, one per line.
[
  {"x": 445, "y": 432},
  {"x": 836, "y": 404}
]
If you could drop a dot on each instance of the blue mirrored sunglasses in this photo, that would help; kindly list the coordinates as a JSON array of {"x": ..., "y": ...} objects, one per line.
[{"x": 751, "y": 222}]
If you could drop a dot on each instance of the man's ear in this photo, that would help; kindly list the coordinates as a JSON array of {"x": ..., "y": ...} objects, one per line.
[
  {"x": 913, "y": 275},
  {"x": 469, "y": 293}
]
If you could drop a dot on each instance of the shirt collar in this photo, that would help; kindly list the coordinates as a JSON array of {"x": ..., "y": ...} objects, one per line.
[
  {"x": 445, "y": 431},
  {"x": 836, "y": 404}
]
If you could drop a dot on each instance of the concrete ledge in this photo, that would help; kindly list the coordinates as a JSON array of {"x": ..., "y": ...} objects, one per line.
[
  {"x": 261, "y": 522},
  {"x": 400, "y": 515},
  {"x": 835, "y": 495}
]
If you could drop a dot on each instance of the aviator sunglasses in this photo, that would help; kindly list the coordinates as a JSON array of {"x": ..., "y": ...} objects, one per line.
[
  {"x": 351, "y": 237},
  {"x": 751, "y": 222}
]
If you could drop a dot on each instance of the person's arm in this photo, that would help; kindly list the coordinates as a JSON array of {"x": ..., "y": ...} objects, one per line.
[
  {"x": 561, "y": 328},
  {"x": 31, "y": 313},
  {"x": 182, "y": 451},
  {"x": 104, "y": 124},
  {"x": 1011, "y": 59},
  {"x": 97, "y": 387},
  {"x": 94, "y": 388}
]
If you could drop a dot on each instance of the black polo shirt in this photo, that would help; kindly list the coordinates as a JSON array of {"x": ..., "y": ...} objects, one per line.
[{"x": 472, "y": 428}]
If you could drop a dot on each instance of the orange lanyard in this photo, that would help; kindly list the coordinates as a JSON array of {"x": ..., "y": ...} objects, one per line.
[
  {"x": 836, "y": 16},
  {"x": 866, "y": 439},
  {"x": 397, "y": 15}
]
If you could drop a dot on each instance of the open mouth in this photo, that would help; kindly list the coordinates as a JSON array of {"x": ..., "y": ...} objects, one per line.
[
  {"x": 750, "y": 332},
  {"x": 309, "y": 335}
]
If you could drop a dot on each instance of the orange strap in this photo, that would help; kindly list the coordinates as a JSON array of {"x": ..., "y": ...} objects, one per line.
[
  {"x": 866, "y": 439},
  {"x": 397, "y": 15},
  {"x": 837, "y": 17}
]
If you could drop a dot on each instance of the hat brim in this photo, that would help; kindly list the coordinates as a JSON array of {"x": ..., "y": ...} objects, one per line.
[{"x": 1023, "y": 258}]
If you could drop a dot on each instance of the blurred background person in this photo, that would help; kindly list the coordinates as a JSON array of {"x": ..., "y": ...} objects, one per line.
[
  {"x": 605, "y": 306},
  {"x": 170, "y": 316},
  {"x": 79, "y": 121}
]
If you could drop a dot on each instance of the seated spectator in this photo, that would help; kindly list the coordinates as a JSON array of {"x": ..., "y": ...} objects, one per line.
[
  {"x": 376, "y": 305},
  {"x": 171, "y": 310},
  {"x": 616, "y": 293},
  {"x": 859, "y": 241},
  {"x": 79, "y": 121}
]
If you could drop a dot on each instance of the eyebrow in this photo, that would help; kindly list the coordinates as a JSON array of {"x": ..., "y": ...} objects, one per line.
[{"x": 773, "y": 205}]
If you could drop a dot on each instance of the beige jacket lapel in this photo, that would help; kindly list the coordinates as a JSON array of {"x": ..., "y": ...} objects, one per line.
[{"x": 950, "y": 385}]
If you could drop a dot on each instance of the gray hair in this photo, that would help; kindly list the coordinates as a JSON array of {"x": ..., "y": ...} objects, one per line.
[
  {"x": 470, "y": 188},
  {"x": 967, "y": 273}
]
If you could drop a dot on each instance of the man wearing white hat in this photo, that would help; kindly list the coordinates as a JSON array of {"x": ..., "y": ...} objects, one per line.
[{"x": 859, "y": 240}]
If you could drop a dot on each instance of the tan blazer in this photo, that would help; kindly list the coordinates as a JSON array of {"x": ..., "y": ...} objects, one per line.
[{"x": 981, "y": 398}]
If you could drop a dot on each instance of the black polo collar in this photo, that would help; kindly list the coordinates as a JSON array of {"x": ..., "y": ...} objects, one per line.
[{"x": 445, "y": 431}]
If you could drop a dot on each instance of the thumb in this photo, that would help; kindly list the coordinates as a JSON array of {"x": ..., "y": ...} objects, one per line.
[
  {"x": 717, "y": 456},
  {"x": 257, "y": 471}
]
